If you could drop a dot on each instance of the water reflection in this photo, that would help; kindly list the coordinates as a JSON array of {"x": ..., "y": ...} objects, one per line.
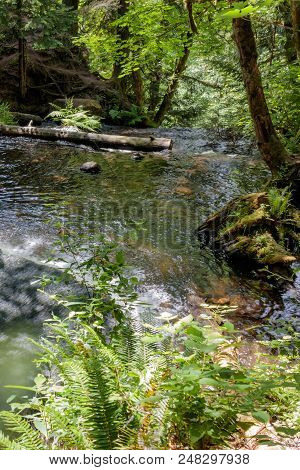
[{"x": 150, "y": 206}]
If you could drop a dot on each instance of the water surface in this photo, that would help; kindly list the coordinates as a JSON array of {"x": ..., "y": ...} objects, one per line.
[{"x": 150, "y": 203}]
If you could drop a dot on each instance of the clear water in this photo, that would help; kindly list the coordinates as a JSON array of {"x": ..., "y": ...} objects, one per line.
[{"x": 152, "y": 207}]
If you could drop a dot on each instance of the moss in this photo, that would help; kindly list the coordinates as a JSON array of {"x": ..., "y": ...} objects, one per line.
[
  {"x": 295, "y": 217},
  {"x": 246, "y": 222},
  {"x": 256, "y": 230},
  {"x": 263, "y": 249}
]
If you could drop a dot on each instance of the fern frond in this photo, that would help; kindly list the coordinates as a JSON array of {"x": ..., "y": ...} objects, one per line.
[
  {"x": 7, "y": 444},
  {"x": 64, "y": 430},
  {"x": 28, "y": 438}
]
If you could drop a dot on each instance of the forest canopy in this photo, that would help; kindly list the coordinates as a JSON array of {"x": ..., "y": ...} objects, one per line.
[
  {"x": 168, "y": 61},
  {"x": 114, "y": 371}
]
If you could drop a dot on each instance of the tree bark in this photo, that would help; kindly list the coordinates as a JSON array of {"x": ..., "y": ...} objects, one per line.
[
  {"x": 189, "y": 7},
  {"x": 22, "y": 68},
  {"x": 286, "y": 13},
  {"x": 73, "y": 6},
  {"x": 295, "y": 7},
  {"x": 167, "y": 100},
  {"x": 271, "y": 148},
  {"x": 22, "y": 46},
  {"x": 154, "y": 87},
  {"x": 179, "y": 68},
  {"x": 138, "y": 88},
  {"x": 98, "y": 140},
  {"x": 137, "y": 81}
]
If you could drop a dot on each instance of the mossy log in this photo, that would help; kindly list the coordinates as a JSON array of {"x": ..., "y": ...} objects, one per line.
[
  {"x": 252, "y": 234},
  {"x": 98, "y": 140}
]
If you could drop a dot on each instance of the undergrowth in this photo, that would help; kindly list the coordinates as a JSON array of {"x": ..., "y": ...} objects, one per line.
[
  {"x": 6, "y": 116},
  {"x": 109, "y": 379},
  {"x": 70, "y": 116}
]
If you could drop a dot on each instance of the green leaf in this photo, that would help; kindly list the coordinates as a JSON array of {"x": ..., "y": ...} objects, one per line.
[
  {"x": 20, "y": 387},
  {"x": 39, "y": 380},
  {"x": 209, "y": 381},
  {"x": 287, "y": 431},
  {"x": 10, "y": 399},
  {"x": 239, "y": 13},
  {"x": 229, "y": 326},
  {"x": 194, "y": 330},
  {"x": 120, "y": 259},
  {"x": 197, "y": 431},
  {"x": 150, "y": 339},
  {"x": 261, "y": 416},
  {"x": 40, "y": 426}
]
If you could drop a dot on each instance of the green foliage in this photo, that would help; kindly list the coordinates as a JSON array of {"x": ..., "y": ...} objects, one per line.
[
  {"x": 6, "y": 116},
  {"x": 98, "y": 396},
  {"x": 130, "y": 117},
  {"x": 47, "y": 22},
  {"x": 71, "y": 116},
  {"x": 28, "y": 437},
  {"x": 279, "y": 202},
  {"x": 100, "y": 269},
  {"x": 139, "y": 385}
]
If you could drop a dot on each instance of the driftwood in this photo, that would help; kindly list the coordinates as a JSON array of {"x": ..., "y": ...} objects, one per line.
[{"x": 98, "y": 140}]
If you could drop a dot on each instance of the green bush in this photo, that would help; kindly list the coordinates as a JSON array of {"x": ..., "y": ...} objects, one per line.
[
  {"x": 131, "y": 117},
  {"x": 75, "y": 117},
  {"x": 6, "y": 116},
  {"x": 135, "y": 384}
]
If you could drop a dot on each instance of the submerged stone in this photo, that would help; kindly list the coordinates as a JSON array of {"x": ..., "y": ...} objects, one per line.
[
  {"x": 90, "y": 167},
  {"x": 137, "y": 157},
  {"x": 184, "y": 190}
]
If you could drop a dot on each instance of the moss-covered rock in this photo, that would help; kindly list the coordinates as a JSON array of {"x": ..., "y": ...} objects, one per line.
[
  {"x": 262, "y": 249},
  {"x": 256, "y": 230}
]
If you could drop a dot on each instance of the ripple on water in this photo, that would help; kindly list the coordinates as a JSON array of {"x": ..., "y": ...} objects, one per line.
[{"x": 135, "y": 202}]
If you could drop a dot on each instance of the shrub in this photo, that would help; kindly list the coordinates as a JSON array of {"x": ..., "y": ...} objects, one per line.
[
  {"x": 75, "y": 117},
  {"x": 132, "y": 384},
  {"x": 6, "y": 116}
]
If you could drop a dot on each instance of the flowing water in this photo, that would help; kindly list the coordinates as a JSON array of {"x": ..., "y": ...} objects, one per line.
[{"x": 151, "y": 204}]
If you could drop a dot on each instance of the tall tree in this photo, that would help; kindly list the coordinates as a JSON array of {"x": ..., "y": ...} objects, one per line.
[
  {"x": 22, "y": 46},
  {"x": 136, "y": 81},
  {"x": 272, "y": 149},
  {"x": 179, "y": 67},
  {"x": 72, "y": 6},
  {"x": 295, "y": 7}
]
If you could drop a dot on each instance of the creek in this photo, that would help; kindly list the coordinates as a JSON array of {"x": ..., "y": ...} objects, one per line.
[{"x": 151, "y": 204}]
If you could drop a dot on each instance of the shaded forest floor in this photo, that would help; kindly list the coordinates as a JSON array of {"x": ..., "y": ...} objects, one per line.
[{"x": 51, "y": 75}]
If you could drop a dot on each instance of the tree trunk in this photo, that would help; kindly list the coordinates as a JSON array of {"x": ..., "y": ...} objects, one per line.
[
  {"x": 124, "y": 83},
  {"x": 138, "y": 88},
  {"x": 295, "y": 7},
  {"x": 154, "y": 88},
  {"x": 180, "y": 67},
  {"x": 73, "y": 6},
  {"x": 22, "y": 48},
  {"x": 290, "y": 50},
  {"x": 167, "y": 100},
  {"x": 271, "y": 148},
  {"x": 22, "y": 68},
  {"x": 97, "y": 140},
  {"x": 189, "y": 7}
]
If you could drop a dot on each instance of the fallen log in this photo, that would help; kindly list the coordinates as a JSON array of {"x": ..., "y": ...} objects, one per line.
[{"x": 98, "y": 140}]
